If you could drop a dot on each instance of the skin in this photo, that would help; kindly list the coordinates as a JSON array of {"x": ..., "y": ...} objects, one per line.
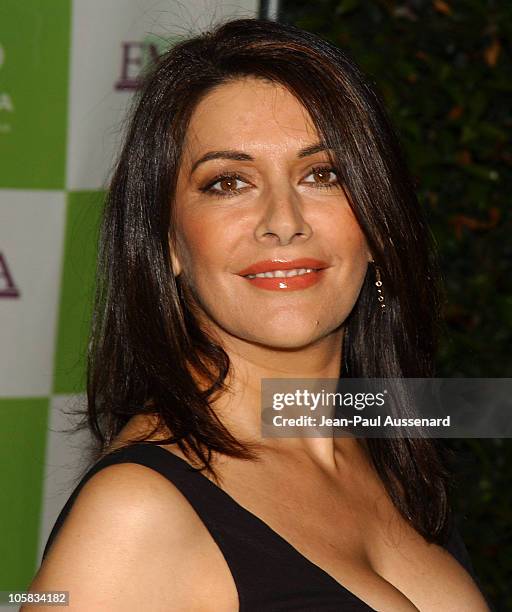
[
  {"x": 279, "y": 207},
  {"x": 320, "y": 494}
]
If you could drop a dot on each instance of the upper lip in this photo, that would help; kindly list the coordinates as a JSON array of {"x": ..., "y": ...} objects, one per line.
[{"x": 269, "y": 265}]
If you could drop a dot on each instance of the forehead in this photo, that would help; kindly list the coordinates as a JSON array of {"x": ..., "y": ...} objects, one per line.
[{"x": 249, "y": 112}]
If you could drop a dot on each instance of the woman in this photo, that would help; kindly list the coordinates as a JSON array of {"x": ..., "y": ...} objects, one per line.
[{"x": 259, "y": 195}]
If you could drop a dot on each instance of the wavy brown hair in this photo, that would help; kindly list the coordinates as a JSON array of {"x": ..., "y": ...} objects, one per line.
[{"x": 146, "y": 341}]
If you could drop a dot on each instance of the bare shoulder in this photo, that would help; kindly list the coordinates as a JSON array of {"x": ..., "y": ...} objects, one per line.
[{"x": 130, "y": 541}]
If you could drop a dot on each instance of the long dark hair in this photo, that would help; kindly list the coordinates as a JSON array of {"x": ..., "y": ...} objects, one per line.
[{"x": 145, "y": 339}]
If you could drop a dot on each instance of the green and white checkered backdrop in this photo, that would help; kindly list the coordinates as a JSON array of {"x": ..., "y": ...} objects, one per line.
[{"x": 68, "y": 69}]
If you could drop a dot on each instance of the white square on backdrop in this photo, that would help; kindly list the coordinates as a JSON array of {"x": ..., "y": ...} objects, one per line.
[{"x": 31, "y": 244}]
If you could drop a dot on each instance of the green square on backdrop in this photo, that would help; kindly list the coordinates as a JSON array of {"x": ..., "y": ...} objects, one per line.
[
  {"x": 34, "y": 59},
  {"x": 23, "y": 428},
  {"x": 83, "y": 214}
]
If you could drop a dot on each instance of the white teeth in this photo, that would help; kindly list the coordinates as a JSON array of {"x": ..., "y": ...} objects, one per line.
[{"x": 281, "y": 273}]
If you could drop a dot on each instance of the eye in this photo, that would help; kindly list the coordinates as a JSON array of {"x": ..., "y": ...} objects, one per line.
[
  {"x": 224, "y": 185},
  {"x": 323, "y": 176}
]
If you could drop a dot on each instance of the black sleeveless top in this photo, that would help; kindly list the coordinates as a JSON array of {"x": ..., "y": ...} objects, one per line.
[{"x": 270, "y": 574}]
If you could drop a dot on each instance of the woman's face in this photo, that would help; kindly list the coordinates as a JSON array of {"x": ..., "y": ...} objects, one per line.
[{"x": 255, "y": 186}]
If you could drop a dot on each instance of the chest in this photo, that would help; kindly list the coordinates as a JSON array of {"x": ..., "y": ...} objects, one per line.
[{"x": 355, "y": 535}]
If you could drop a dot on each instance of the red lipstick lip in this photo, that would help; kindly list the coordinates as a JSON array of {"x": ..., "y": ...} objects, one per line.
[{"x": 269, "y": 265}]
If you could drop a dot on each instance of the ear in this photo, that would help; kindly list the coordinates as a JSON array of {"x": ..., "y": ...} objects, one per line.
[
  {"x": 175, "y": 262},
  {"x": 176, "y": 266},
  {"x": 369, "y": 256}
]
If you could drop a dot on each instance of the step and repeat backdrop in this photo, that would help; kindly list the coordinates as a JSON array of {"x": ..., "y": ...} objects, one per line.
[{"x": 68, "y": 71}]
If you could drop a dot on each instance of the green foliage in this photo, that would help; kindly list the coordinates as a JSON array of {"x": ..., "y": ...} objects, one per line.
[{"x": 444, "y": 71}]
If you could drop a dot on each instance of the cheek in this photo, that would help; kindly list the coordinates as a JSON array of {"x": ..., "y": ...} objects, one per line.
[
  {"x": 346, "y": 239},
  {"x": 349, "y": 249},
  {"x": 205, "y": 243}
]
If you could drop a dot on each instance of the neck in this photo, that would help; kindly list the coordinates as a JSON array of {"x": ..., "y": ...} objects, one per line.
[{"x": 240, "y": 409}]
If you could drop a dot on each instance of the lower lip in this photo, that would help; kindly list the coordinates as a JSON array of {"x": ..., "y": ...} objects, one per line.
[{"x": 292, "y": 283}]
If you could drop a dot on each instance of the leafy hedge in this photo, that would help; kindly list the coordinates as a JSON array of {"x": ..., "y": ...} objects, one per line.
[{"x": 444, "y": 71}]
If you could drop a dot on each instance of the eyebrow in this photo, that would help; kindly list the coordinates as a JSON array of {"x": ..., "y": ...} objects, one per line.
[{"x": 241, "y": 156}]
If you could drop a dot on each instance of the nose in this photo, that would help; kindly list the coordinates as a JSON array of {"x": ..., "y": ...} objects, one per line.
[{"x": 282, "y": 220}]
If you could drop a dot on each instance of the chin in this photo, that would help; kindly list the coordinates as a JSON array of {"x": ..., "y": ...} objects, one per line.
[{"x": 295, "y": 339}]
